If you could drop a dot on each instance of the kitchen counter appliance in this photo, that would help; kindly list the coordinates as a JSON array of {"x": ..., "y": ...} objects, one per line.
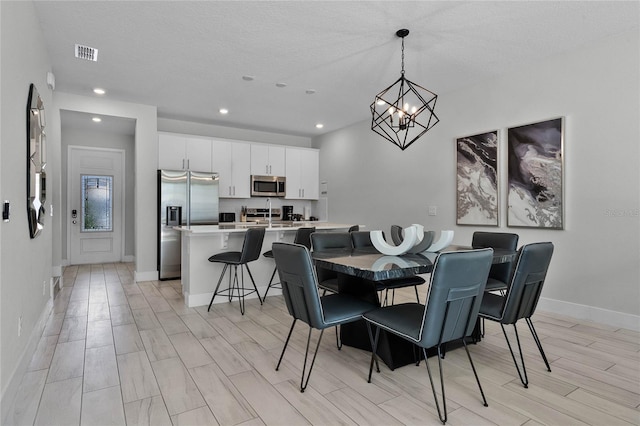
[{"x": 184, "y": 198}]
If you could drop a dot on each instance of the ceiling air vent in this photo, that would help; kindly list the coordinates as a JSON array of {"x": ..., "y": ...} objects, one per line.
[{"x": 86, "y": 52}]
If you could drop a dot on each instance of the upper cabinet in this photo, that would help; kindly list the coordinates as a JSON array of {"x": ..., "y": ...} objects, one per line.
[
  {"x": 267, "y": 160},
  {"x": 302, "y": 172},
  {"x": 179, "y": 152},
  {"x": 232, "y": 161}
]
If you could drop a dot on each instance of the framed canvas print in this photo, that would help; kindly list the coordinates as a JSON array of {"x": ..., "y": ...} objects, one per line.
[
  {"x": 535, "y": 175},
  {"x": 477, "y": 180}
]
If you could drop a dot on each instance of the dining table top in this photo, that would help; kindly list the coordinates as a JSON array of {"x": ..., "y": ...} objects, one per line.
[{"x": 370, "y": 264}]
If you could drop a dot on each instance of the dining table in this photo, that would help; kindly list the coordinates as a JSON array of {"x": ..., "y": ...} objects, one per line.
[{"x": 359, "y": 270}]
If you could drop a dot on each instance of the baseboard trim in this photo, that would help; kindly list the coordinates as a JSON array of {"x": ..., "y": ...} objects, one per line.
[
  {"x": 128, "y": 259},
  {"x": 146, "y": 276},
  {"x": 11, "y": 390},
  {"x": 591, "y": 313}
]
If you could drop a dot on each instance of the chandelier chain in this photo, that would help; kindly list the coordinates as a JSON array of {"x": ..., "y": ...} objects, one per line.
[{"x": 402, "y": 72}]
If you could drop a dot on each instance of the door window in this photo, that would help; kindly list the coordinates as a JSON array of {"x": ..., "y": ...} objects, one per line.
[{"x": 97, "y": 203}]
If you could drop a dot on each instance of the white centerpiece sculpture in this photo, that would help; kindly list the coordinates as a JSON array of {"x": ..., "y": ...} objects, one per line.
[{"x": 413, "y": 241}]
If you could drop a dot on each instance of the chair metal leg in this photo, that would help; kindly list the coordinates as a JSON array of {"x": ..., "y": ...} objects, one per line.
[
  {"x": 473, "y": 367},
  {"x": 538, "y": 343},
  {"x": 374, "y": 347},
  {"x": 215, "y": 292},
  {"x": 415, "y": 287},
  {"x": 303, "y": 382},
  {"x": 236, "y": 286},
  {"x": 275, "y": 269},
  {"x": 443, "y": 418},
  {"x": 253, "y": 282},
  {"x": 286, "y": 343},
  {"x": 338, "y": 340},
  {"x": 523, "y": 375}
]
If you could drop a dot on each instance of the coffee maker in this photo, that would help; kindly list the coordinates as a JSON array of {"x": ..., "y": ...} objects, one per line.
[{"x": 287, "y": 212}]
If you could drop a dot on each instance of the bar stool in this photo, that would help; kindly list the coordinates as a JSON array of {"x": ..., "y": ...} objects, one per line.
[
  {"x": 303, "y": 236},
  {"x": 251, "y": 247}
]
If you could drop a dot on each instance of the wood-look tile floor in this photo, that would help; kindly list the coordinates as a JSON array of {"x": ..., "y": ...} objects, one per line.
[{"x": 119, "y": 352}]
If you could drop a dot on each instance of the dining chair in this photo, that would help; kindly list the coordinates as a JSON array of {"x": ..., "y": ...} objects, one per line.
[
  {"x": 449, "y": 314},
  {"x": 328, "y": 279},
  {"x": 251, "y": 247},
  {"x": 500, "y": 273},
  {"x": 303, "y": 236},
  {"x": 300, "y": 290},
  {"x": 362, "y": 239},
  {"x": 521, "y": 298}
]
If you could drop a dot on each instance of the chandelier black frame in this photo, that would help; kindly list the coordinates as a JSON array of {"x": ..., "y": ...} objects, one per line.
[{"x": 398, "y": 119}]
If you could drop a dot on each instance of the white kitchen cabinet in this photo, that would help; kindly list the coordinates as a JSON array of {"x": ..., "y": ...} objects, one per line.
[
  {"x": 302, "y": 172},
  {"x": 180, "y": 152},
  {"x": 267, "y": 160},
  {"x": 232, "y": 161}
]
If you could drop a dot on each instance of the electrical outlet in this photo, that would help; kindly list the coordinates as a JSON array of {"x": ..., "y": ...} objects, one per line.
[
  {"x": 433, "y": 210},
  {"x": 19, "y": 325}
]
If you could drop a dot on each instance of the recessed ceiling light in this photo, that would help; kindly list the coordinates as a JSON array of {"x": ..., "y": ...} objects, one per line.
[
  {"x": 99, "y": 91},
  {"x": 248, "y": 77},
  {"x": 319, "y": 126},
  {"x": 224, "y": 111},
  {"x": 96, "y": 119},
  {"x": 281, "y": 84}
]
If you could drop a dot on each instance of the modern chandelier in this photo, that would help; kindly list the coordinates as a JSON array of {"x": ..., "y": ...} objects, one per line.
[{"x": 397, "y": 111}]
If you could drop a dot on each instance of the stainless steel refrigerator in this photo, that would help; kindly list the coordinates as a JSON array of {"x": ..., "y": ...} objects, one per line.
[{"x": 185, "y": 198}]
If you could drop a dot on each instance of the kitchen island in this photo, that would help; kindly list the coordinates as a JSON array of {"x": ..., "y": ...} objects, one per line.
[{"x": 199, "y": 276}]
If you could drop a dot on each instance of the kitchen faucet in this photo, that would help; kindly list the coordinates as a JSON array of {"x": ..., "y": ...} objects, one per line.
[{"x": 269, "y": 206}]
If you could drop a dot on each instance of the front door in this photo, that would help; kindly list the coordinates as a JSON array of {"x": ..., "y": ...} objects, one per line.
[{"x": 95, "y": 206}]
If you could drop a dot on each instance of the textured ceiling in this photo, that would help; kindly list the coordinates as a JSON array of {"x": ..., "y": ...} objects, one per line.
[{"x": 188, "y": 58}]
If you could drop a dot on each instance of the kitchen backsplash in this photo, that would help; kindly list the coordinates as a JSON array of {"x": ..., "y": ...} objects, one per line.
[{"x": 230, "y": 205}]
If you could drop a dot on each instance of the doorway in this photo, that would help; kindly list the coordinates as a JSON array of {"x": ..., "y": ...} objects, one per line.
[{"x": 95, "y": 205}]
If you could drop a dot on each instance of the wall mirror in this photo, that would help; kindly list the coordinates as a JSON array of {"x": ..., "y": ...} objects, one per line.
[{"x": 36, "y": 162}]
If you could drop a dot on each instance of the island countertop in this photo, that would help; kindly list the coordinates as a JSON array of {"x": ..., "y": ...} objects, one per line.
[
  {"x": 275, "y": 227},
  {"x": 199, "y": 242}
]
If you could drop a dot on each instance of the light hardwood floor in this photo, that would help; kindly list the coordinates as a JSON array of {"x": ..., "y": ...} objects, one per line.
[{"x": 115, "y": 352}]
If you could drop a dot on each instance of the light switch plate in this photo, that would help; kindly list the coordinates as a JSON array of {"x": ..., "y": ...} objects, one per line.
[{"x": 433, "y": 210}]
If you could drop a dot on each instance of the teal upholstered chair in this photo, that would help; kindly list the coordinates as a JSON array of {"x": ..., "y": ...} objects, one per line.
[
  {"x": 521, "y": 298},
  {"x": 450, "y": 313},
  {"x": 300, "y": 290}
]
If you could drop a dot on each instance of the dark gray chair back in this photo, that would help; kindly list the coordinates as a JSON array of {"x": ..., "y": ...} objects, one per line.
[
  {"x": 330, "y": 240},
  {"x": 362, "y": 239},
  {"x": 299, "y": 285},
  {"x": 303, "y": 236},
  {"x": 529, "y": 274},
  {"x": 252, "y": 245},
  {"x": 501, "y": 240},
  {"x": 455, "y": 293}
]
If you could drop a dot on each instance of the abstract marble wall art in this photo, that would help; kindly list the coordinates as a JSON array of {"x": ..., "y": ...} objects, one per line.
[
  {"x": 477, "y": 183},
  {"x": 535, "y": 163}
]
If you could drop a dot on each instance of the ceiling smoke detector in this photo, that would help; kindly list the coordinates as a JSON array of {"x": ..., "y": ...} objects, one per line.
[{"x": 86, "y": 52}]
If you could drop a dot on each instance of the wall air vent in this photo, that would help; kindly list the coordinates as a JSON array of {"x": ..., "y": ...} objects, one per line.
[{"x": 86, "y": 52}]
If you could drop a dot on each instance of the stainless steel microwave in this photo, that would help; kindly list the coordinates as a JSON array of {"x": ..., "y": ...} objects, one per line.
[{"x": 268, "y": 186}]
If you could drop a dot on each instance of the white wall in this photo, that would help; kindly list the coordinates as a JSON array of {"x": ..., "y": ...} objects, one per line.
[
  {"x": 26, "y": 262},
  {"x": 595, "y": 270},
  {"x": 100, "y": 139}
]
